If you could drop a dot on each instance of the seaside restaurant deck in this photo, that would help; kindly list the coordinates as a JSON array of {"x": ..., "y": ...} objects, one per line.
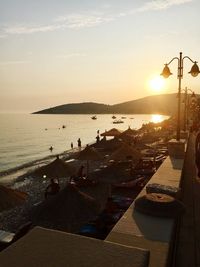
[{"x": 136, "y": 240}]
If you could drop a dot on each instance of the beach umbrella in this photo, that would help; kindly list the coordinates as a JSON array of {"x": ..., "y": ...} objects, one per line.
[
  {"x": 148, "y": 138},
  {"x": 114, "y": 143},
  {"x": 109, "y": 145},
  {"x": 10, "y": 198},
  {"x": 129, "y": 132},
  {"x": 89, "y": 153},
  {"x": 112, "y": 132},
  {"x": 128, "y": 135},
  {"x": 116, "y": 172},
  {"x": 56, "y": 169},
  {"x": 125, "y": 152},
  {"x": 129, "y": 139},
  {"x": 68, "y": 210}
]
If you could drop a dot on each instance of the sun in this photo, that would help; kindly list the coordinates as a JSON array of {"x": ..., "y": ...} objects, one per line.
[{"x": 157, "y": 84}]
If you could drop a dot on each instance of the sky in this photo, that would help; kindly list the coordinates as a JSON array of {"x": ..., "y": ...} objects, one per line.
[{"x": 54, "y": 52}]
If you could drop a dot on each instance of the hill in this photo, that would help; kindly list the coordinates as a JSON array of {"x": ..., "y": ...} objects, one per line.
[
  {"x": 77, "y": 108},
  {"x": 162, "y": 104}
]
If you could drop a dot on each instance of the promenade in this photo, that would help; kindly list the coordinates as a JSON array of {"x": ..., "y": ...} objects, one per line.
[
  {"x": 188, "y": 240},
  {"x": 169, "y": 246}
]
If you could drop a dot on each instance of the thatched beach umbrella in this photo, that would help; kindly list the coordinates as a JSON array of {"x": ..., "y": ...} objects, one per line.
[
  {"x": 9, "y": 198},
  {"x": 129, "y": 132},
  {"x": 128, "y": 135},
  {"x": 67, "y": 211},
  {"x": 125, "y": 152},
  {"x": 114, "y": 173},
  {"x": 56, "y": 169},
  {"x": 89, "y": 153},
  {"x": 109, "y": 145},
  {"x": 112, "y": 132}
]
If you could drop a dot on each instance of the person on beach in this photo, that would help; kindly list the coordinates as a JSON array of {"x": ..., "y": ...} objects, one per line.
[
  {"x": 52, "y": 189},
  {"x": 98, "y": 139},
  {"x": 197, "y": 152},
  {"x": 72, "y": 146},
  {"x": 79, "y": 143}
]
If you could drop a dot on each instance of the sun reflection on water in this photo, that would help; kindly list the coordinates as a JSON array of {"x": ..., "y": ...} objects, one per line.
[{"x": 157, "y": 118}]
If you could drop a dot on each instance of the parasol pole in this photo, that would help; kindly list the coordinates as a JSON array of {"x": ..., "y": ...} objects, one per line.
[{"x": 87, "y": 169}]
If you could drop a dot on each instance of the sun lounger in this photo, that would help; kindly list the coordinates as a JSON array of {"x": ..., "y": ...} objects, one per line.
[{"x": 7, "y": 238}]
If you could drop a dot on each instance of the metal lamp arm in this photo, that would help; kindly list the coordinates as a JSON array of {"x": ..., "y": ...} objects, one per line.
[
  {"x": 189, "y": 59},
  {"x": 173, "y": 60},
  {"x": 190, "y": 90},
  {"x": 186, "y": 90}
]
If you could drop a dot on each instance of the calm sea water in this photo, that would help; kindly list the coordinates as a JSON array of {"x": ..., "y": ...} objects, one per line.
[{"x": 23, "y": 137}]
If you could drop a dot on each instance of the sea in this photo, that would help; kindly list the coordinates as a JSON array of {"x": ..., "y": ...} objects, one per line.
[{"x": 26, "y": 138}]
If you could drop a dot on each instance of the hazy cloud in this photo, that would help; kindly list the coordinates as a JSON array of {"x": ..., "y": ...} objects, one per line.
[
  {"x": 161, "y": 4},
  {"x": 28, "y": 30},
  {"x": 5, "y": 63},
  {"x": 78, "y": 21},
  {"x": 71, "y": 55},
  {"x": 75, "y": 21},
  {"x": 3, "y": 36},
  {"x": 90, "y": 19}
]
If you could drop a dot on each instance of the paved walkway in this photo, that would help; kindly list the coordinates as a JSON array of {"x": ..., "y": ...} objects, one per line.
[{"x": 188, "y": 243}]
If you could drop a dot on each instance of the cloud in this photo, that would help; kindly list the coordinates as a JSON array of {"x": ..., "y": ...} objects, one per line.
[
  {"x": 71, "y": 55},
  {"x": 161, "y": 4},
  {"x": 28, "y": 30},
  {"x": 90, "y": 19},
  {"x": 72, "y": 21},
  {"x": 78, "y": 21},
  {"x": 6, "y": 63},
  {"x": 3, "y": 36}
]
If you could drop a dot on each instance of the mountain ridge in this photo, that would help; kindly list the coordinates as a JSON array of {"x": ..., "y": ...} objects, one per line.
[{"x": 165, "y": 104}]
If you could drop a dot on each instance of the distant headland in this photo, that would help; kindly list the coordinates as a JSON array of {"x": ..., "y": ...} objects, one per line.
[{"x": 165, "y": 104}]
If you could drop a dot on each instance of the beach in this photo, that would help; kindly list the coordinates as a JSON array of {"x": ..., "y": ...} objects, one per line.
[{"x": 21, "y": 179}]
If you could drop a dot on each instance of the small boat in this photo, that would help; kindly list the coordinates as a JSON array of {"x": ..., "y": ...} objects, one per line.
[
  {"x": 94, "y": 117},
  {"x": 118, "y": 121},
  {"x": 114, "y": 117}
]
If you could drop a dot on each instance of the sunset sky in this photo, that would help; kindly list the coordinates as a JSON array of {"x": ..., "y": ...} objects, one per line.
[{"x": 54, "y": 52}]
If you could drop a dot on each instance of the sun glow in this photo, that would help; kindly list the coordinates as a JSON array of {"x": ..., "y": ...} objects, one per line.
[
  {"x": 157, "y": 84},
  {"x": 156, "y": 118}
]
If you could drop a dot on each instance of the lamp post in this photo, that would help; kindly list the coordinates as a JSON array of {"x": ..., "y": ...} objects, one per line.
[
  {"x": 166, "y": 73},
  {"x": 186, "y": 103}
]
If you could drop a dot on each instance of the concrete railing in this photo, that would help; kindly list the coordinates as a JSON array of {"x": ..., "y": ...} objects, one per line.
[{"x": 150, "y": 232}]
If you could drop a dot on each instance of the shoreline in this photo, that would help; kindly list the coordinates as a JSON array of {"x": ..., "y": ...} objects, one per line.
[{"x": 11, "y": 175}]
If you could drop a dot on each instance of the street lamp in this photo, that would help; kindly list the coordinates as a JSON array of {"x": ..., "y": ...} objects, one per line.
[
  {"x": 166, "y": 73},
  {"x": 186, "y": 103}
]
